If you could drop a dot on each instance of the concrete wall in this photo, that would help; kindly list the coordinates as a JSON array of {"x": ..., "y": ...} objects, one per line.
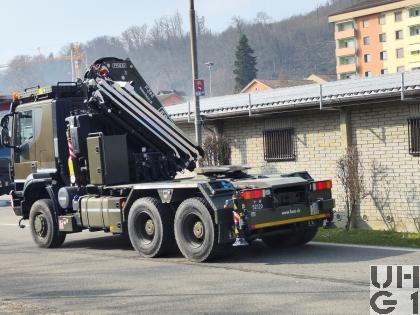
[{"x": 392, "y": 176}]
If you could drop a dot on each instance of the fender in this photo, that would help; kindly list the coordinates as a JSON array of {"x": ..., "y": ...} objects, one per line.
[{"x": 35, "y": 189}]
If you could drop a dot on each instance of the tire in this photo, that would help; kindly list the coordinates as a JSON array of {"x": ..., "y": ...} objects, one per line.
[
  {"x": 44, "y": 225},
  {"x": 283, "y": 240},
  {"x": 150, "y": 227},
  {"x": 195, "y": 231}
]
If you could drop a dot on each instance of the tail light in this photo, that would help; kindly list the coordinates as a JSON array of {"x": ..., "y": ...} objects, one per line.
[
  {"x": 255, "y": 194},
  {"x": 323, "y": 185}
]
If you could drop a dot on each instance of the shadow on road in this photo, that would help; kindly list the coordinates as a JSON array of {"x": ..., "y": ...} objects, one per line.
[{"x": 258, "y": 252}]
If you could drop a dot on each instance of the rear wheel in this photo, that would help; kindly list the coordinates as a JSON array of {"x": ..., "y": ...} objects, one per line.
[
  {"x": 44, "y": 226},
  {"x": 150, "y": 227},
  {"x": 195, "y": 232}
]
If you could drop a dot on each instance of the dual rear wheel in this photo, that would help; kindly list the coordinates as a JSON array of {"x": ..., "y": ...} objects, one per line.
[{"x": 153, "y": 229}]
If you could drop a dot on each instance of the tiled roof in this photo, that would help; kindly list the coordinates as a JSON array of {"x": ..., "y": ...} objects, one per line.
[{"x": 301, "y": 97}]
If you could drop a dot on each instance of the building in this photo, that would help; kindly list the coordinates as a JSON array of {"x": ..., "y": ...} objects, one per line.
[
  {"x": 172, "y": 97},
  {"x": 322, "y": 78},
  {"x": 258, "y": 85},
  {"x": 377, "y": 37},
  {"x": 376, "y": 115}
]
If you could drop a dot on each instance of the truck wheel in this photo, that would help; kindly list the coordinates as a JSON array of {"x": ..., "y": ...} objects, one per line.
[
  {"x": 308, "y": 235},
  {"x": 150, "y": 227},
  {"x": 195, "y": 232},
  {"x": 44, "y": 226},
  {"x": 283, "y": 240}
]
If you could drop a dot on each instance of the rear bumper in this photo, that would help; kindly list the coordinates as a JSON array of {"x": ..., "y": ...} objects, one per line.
[{"x": 268, "y": 218}]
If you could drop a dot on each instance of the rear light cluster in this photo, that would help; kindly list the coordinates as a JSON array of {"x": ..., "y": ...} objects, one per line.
[
  {"x": 323, "y": 185},
  {"x": 255, "y": 194}
]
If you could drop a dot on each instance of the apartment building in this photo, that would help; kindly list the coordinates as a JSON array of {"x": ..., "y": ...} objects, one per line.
[{"x": 377, "y": 37}]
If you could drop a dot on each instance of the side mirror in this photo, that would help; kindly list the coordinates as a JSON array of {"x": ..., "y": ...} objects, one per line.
[{"x": 5, "y": 136}]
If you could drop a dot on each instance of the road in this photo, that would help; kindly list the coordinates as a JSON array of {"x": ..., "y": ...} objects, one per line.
[{"x": 94, "y": 273}]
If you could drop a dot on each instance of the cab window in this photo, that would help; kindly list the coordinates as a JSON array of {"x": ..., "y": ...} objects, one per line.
[{"x": 24, "y": 127}]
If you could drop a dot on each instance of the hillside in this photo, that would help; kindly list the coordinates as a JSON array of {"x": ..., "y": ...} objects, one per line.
[{"x": 292, "y": 48}]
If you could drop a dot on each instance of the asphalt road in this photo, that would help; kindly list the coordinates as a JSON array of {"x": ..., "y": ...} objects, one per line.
[{"x": 94, "y": 273}]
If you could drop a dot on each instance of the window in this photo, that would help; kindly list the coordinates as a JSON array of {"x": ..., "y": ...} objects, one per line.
[
  {"x": 347, "y": 60},
  {"x": 347, "y": 43},
  {"x": 415, "y": 52},
  {"x": 383, "y": 55},
  {"x": 279, "y": 145},
  {"x": 345, "y": 26},
  {"x": 366, "y": 40},
  {"x": 398, "y": 16},
  {"x": 368, "y": 58},
  {"x": 348, "y": 75},
  {"x": 382, "y": 37},
  {"x": 414, "y": 12},
  {"x": 400, "y": 53},
  {"x": 368, "y": 74},
  {"x": 24, "y": 127},
  {"x": 415, "y": 30},
  {"x": 415, "y": 68},
  {"x": 384, "y": 71},
  {"x": 382, "y": 19},
  {"x": 414, "y": 135},
  {"x": 400, "y": 69},
  {"x": 365, "y": 23},
  {"x": 399, "y": 34}
]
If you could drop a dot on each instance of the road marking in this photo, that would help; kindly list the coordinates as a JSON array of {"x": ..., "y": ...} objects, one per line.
[
  {"x": 404, "y": 249},
  {"x": 5, "y": 224}
]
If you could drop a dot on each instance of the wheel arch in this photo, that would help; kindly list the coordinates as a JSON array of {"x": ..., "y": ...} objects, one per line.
[{"x": 35, "y": 190}]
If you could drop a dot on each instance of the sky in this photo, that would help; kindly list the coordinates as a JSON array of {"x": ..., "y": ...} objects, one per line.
[{"x": 29, "y": 26}]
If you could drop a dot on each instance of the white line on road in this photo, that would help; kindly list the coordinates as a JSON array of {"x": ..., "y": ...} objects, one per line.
[
  {"x": 6, "y": 224},
  {"x": 405, "y": 249}
]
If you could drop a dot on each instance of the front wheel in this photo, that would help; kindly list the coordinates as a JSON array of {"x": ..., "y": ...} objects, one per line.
[
  {"x": 44, "y": 226},
  {"x": 195, "y": 231}
]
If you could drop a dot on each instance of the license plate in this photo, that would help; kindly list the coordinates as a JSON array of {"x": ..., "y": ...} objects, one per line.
[{"x": 315, "y": 208}]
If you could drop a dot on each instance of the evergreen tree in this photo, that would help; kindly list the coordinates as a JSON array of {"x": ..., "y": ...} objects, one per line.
[{"x": 245, "y": 66}]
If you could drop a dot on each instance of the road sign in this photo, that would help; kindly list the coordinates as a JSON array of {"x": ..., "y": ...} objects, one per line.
[{"x": 199, "y": 88}]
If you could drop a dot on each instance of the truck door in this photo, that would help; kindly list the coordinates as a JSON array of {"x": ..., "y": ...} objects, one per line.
[{"x": 23, "y": 136}]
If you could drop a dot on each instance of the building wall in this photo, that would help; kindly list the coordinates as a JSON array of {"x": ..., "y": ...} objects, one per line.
[
  {"x": 392, "y": 176},
  {"x": 374, "y": 48}
]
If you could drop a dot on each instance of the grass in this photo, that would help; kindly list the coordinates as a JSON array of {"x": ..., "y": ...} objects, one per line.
[{"x": 368, "y": 237}]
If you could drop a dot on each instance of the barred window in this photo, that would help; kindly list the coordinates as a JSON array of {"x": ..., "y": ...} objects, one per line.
[
  {"x": 414, "y": 135},
  {"x": 279, "y": 145}
]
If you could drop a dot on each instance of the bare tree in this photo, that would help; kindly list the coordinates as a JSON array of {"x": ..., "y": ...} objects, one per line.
[
  {"x": 263, "y": 18},
  {"x": 350, "y": 173},
  {"x": 217, "y": 150},
  {"x": 135, "y": 36}
]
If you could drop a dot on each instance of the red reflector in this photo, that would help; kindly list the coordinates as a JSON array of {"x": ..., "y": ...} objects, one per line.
[
  {"x": 324, "y": 185},
  {"x": 252, "y": 194}
]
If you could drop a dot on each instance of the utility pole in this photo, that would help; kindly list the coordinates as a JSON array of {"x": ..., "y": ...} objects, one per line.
[
  {"x": 193, "y": 35},
  {"x": 210, "y": 65}
]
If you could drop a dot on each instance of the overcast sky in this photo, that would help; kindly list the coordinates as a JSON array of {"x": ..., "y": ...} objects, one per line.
[{"x": 47, "y": 25}]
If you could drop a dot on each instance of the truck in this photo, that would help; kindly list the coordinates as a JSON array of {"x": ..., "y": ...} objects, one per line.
[{"x": 102, "y": 154}]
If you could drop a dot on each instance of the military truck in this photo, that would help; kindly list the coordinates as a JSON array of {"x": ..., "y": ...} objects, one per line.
[{"x": 102, "y": 154}]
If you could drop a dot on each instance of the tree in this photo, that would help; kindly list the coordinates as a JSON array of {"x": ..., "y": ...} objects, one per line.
[
  {"x": 350, "y": 174},
  {"x": 245, "y": 66},
  {"x": 217, "y": 150}
]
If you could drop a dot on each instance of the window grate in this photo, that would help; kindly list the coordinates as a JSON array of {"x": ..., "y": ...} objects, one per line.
[
  {"x": 279, "y": 145},
  {"x": 414, "y": 135}
]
